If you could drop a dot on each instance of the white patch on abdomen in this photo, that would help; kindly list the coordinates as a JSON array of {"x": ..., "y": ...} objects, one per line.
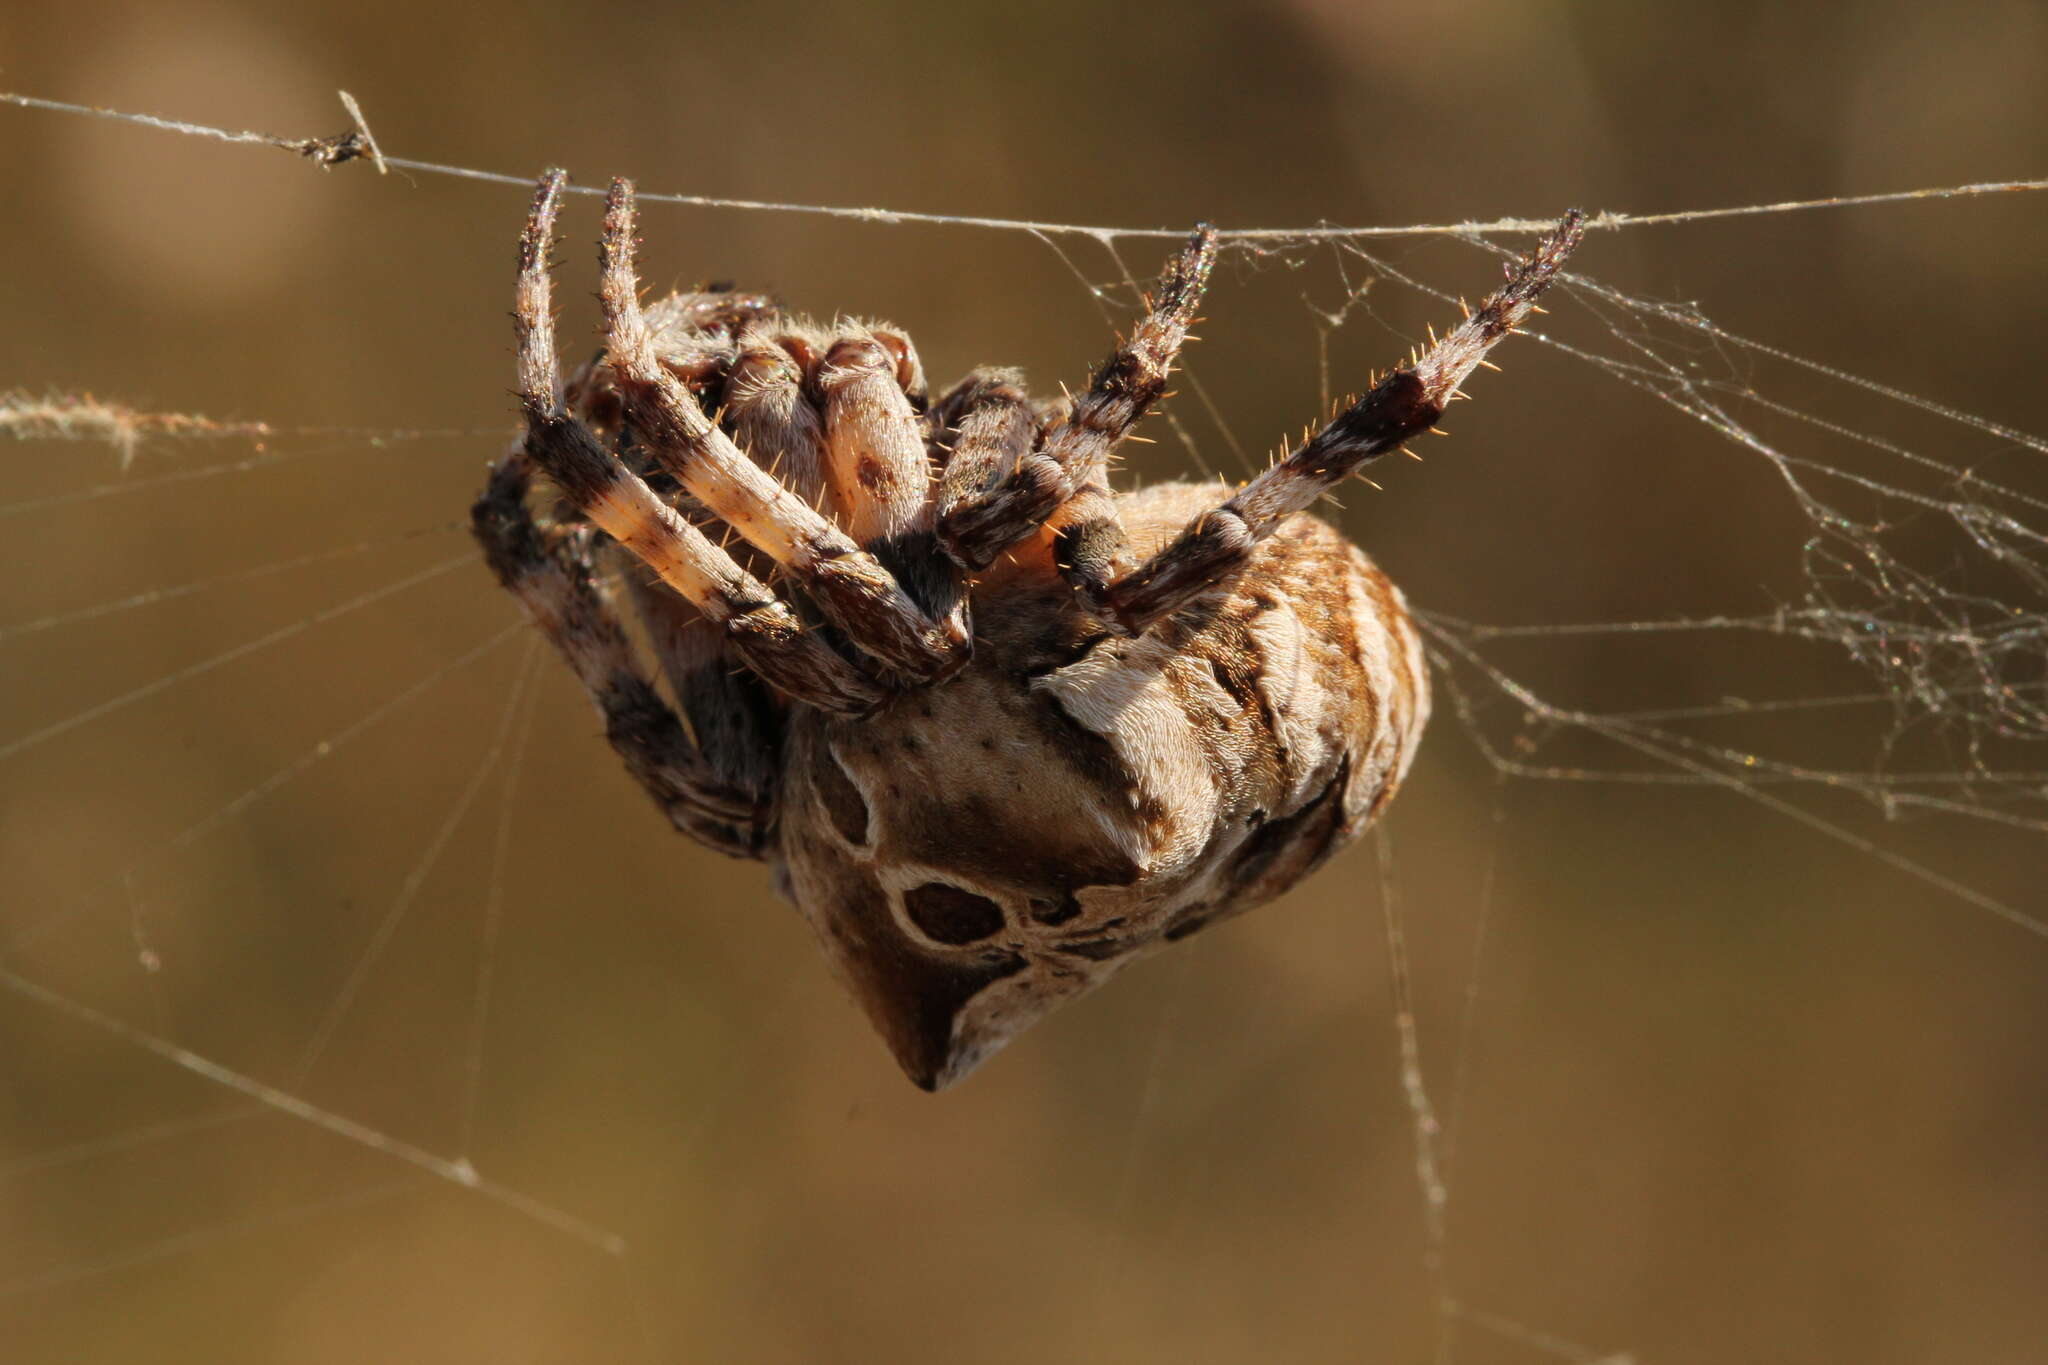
[{"x": 1124, "y": 692}]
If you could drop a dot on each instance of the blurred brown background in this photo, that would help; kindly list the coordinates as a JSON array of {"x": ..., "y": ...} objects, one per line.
[{"x": 1735, "y": 1091}]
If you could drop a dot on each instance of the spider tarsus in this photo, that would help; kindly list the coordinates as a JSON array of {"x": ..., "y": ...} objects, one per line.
[{"x": 539, "y": 231}]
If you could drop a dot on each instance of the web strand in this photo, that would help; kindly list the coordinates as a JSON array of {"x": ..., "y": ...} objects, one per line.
[
  {"x": 452, "y": 1172},
  {"x": 1606, "y": 221}
]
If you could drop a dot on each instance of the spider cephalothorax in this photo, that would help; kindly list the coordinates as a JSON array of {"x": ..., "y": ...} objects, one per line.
[{"x": 998, "y": 729}]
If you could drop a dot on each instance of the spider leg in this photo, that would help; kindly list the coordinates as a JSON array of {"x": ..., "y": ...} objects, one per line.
[
  {"x": 730, "y": 712},
  {"x": 943, "y": 415},
  {"x": 550, "y": 572},
  {"x": 987, "y": 425},
  {"x": 1065, "y": 478},
  {"x": 771, "y": 418},
  {"x": 849, "y": 585},
  {"x": 761, "y": 628},
  {"x": 1405, "y": 403},
  {"x": 696, "y": 336},
  {"x": 876, "y": 470}
]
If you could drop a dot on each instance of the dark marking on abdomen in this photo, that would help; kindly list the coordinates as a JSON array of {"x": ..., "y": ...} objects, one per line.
[
  {"x": 1303, "y": 838},
  {"x": 947, "y": 914}
]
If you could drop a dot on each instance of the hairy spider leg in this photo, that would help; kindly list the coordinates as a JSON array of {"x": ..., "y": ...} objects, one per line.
[
  {"x": 1407, "y": 402},
  {"x": 987, "y": 424},
  {"x": 761, "y": 628},
  {"x": 772, "y": 420},
  {"x": 733, "y": 715},
  {"x": 1064, "y": 479},
  {"x": 849, "y": 585},
  {"x": 705, "y": 339},
  {"x": 876, "y": 469},
  {"x": 848, "y": 436},
  {"x": 550, "y": 571},
  {"x": 696, "y": 334},
  {"x": 878, "y": 465}
]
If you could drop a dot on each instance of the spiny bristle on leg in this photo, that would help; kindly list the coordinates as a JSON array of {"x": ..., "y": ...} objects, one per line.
[{"x": 1403, "y": 404}]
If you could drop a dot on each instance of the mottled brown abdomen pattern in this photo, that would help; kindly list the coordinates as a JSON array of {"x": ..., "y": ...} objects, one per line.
[{"x": 982, "y": 850}]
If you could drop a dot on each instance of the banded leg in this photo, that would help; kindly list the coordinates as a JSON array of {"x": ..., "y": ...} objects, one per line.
[
  {"x": 551, "y": 575},
  {"x": 761, "y": 628},
  {"x": 1066, "y": 478},
  {"x": 1402, "y": 405},
  {"x": 849, "y": 585}
]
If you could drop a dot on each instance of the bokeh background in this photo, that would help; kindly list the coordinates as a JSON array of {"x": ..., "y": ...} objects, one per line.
[{"x": 1718, "y": 1086}]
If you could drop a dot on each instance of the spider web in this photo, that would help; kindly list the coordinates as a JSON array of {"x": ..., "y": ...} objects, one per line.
[{"x": 1888, "y": 693}]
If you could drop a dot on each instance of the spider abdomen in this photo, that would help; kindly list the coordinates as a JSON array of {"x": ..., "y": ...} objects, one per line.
[{"x": 983, "y": 850}]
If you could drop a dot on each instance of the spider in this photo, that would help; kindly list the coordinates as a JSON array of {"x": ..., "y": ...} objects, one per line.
[{"x": 997, "y": 729}]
